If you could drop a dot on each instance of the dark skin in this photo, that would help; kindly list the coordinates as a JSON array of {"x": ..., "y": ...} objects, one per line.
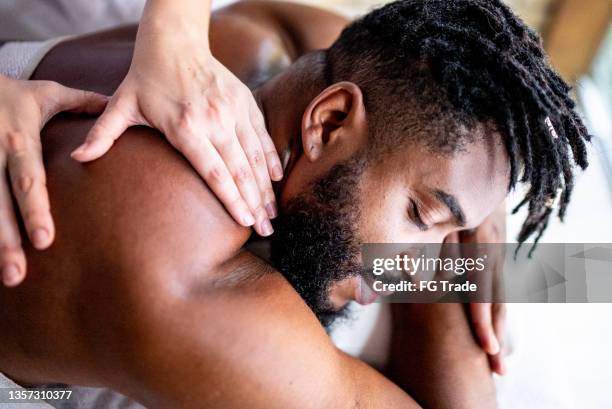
[{"x": 148, "y": 289}]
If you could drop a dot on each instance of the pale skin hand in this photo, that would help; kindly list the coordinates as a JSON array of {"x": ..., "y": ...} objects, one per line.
[
  {"x": 175, "y": 85},
  {"x": 25, "y": 107}
]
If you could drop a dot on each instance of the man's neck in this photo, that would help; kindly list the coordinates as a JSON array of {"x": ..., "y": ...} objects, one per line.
[{"x": 283, "y": 100}]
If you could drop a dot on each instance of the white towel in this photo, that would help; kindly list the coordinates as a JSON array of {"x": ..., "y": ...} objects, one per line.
[
  {"x": 8, "y": 383},
  {"x": 81, "y": 398},
  {"x": 36, "y": 20},
  {"x": 19, "y": 59}
]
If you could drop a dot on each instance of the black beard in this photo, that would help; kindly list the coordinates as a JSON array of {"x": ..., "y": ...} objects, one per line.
[{"x": 315, "y": 242}]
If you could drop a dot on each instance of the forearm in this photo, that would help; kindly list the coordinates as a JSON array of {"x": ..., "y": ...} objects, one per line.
[
  {"x": 186, "y": 13},
  {"x": 180, "y": 27},
  {"x": 435, "y": 358}
]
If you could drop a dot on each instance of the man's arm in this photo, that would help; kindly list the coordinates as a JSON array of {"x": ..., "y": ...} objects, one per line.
[
  {"x": 247, "y": 342},
  {"x": 435, "y": 358},
  {"x": 300, "y": 28}
]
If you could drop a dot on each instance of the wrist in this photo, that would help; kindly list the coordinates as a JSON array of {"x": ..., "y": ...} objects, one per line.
[{"x": 185, "y": 21}]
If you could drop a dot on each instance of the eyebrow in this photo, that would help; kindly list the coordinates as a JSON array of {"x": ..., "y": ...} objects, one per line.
[{"x": 451, "y": 202}]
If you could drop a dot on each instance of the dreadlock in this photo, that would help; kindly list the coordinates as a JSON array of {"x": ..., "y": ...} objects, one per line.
[{"x": 477, "y": 63}]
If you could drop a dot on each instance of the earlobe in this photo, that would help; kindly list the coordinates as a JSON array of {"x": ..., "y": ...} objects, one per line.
[{"x": 336, "y": 112}]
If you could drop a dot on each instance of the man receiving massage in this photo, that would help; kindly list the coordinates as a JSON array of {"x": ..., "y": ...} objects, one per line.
[{"x": 411, "y": 127}]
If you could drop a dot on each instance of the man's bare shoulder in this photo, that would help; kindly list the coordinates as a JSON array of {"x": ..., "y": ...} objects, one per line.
[
  {"x": 140, "y": 207},
  {"x": 130, "y": 226}
]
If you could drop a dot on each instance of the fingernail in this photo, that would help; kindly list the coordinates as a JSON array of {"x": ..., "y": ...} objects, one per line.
[
  {"x": 502, "y": 368},
  {"x": 494, "y": 346},
  {"x": 266, "y": 228},
  {"x": 271, "y": 210},
  {"x": 11, "y": 275},
  {"x": 40, "y": 237},
  {"x": 81, "y": 149},
  {"x": 277, "y": 172},
  {"x": 248, "y": 219}
]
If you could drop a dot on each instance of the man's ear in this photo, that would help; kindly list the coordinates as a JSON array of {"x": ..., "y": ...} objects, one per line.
[{"x": 335, "y": 119}]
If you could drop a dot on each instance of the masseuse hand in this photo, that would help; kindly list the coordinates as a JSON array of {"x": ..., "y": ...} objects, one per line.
[
  {"x": 488, "y": 319},
  {"x": 175, "y": 85},
  {"x": 25, "y": 107}
]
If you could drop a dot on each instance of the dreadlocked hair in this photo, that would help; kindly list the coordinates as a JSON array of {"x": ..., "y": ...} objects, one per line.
[{"x": 459, "y": 63}]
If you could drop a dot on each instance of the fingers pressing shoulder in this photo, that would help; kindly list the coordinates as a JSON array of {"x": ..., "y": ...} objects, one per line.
[{"x": 25, "y": 107}]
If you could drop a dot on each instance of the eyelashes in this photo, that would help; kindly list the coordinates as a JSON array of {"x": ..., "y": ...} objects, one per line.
[{"x": 415, "y": 216}]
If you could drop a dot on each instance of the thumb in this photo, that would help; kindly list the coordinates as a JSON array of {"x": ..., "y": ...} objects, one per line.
[
  {"x": 107, "y": 129},
  {"x": 79, "y": 101}
]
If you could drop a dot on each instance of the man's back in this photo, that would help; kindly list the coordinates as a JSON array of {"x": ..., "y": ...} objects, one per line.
[
  {"x": 135, "y": 221},
  {"x": 127, "y": 298}
]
